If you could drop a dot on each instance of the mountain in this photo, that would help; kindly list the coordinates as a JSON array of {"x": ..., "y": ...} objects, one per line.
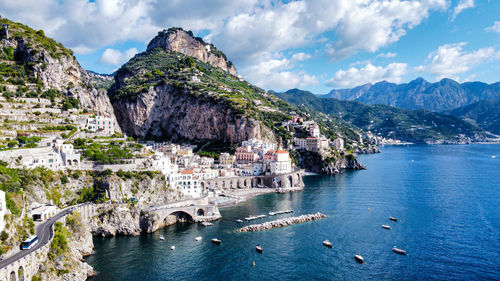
[
  {"x": 167, "y": 93},
  {"x": 485, "y": 114},
  {"x": 444, "y": 95},
  {"x": 33, "y": 65},
  {"x": 417, "y": 126}
]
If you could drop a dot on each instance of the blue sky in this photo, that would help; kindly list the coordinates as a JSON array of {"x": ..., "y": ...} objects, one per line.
[{"x": 315, "y": 45}]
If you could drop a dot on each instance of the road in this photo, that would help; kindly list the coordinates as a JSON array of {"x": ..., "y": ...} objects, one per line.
[{"x": 44, "y": 233}]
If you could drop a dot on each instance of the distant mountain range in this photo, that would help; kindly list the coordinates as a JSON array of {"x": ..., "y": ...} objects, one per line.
[
  {"x": 486, "y": 114},
  {"x": 444, "y": 95},
  {"x": 418, "y": 126}
]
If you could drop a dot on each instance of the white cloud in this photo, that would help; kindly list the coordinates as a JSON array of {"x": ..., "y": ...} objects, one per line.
[
  {"x": 387, "y": 55},
  {"x": 495, "y": 27},
  {"x": 450, "y": 60},
  {"x": 115, "y": 57},
  {"x": 276, "y": 73},
  {"x": 462, "y": 5},
  {"x": 300, "y": 56},
  {"x": 369, "y": 73}
]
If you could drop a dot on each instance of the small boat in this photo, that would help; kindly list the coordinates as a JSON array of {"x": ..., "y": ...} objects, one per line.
[
  {"x": 205, "y": 223},
  {"x": 327, "y": 243},
  {"x": 239, "y": 221},
  {"x": 386, "y": 226},
  {"x": 198, "y": 238},
  {"x": 272, "y": 213},
  {"x": 216, "y": 241},
  {"x": 359, "y": 258},
  {"x": 493, "y": 156},
  {"x": 393, "y": 219},
  {"x": 172, "y": 248},
  {"x": 399, "y": 251},
  {"x": 162, "y": 238},
  {"x": 259, "y": 249}
]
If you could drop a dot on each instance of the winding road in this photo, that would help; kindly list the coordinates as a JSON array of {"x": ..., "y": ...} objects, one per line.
[{"x": 44, "y": 233}]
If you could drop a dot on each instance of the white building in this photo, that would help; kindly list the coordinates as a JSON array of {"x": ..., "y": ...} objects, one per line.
[
  {"x": 258, "y": 169},
  {"x": 3, "y": 210},
  {"x": 314, "y": 130},
  {"x": 100, "y": 124},
  {"x": 189, "y": 184},
  {"x": 69, "y": 157},
  {"x": 280, "y": 163},
  {"x": 339, "y": 144},
  {"x": 162, "y": 163}
]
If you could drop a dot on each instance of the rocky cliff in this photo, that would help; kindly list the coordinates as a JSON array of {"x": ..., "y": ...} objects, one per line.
[
  {"x": 178, "y": 40},
  {"x": 166, "y": 112},
  {"x": 30, "y": 59},
  {"x": 323, "y": 163}
]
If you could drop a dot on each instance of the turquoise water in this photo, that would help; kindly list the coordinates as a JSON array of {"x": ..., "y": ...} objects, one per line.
[{"x": 447, "y": 200}]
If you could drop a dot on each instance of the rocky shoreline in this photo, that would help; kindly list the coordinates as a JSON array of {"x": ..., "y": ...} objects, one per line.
[{"x": 282, "y": 222}]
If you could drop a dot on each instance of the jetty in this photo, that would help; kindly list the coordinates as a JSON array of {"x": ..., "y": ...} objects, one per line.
[{"x": 282, "y": 222}]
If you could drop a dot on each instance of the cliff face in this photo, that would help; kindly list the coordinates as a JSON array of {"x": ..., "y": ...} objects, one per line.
[
  {"x": 178, "y": 40},
  {"x": 167, "y": 112},
  {"x": 51, "y": 66},
  {"x": 328, "y": 165}
]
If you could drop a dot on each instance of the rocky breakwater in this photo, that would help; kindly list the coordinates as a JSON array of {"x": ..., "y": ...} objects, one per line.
[{"x": 282, "y": 222}]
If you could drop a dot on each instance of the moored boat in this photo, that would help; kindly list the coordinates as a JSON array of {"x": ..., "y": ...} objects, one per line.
[
  {"x": 327, "y": 243},
  {"x": 162, "y": 238},
  {"x": 239, "y": 221},
  {"x": 198, "y": 238},
  {"x": 393, "y": 219},
  {"x": 359, "y": 258},
  {"x": 386, "y": 226},
  {"x": 259, "y": 249},
  {"x": 399, "y": 251},
  {"x": 172, "y": 248},
  {"x": 205, "y": 223},
  {"x": 216, "y": 241}
]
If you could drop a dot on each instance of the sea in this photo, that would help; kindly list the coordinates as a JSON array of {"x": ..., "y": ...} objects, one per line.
[{"x": 446, "y": 199}]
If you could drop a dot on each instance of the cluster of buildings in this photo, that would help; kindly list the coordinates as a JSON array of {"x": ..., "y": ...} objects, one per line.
[
  {"x": 188, "y": 171},
  {"x": 314, "y": 141}
]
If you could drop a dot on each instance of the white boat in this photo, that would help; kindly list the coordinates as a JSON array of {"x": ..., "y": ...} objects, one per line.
[
  {"x": 198, "y": 238},
  {"x": 359, "y": 258},
  {"x": 272, "y": 213},
  {"x": 398, "y": 251},
  {"x": 259, "y": 249},
  {"x": 216, "y": 241},
  {"x": 393, "y": 219},
  {"x": 327, "y": 243},
  {"x": 205, "y": 223},
  {"x": 172, "y": 248},
  {"x": 239, "y": 221},
  {"x": 162, "y": 238},
  {"x": 493, "y": 156},
  {"x": 386, "y": 226}
]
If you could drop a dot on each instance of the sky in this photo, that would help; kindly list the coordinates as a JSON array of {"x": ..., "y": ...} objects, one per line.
[{"x": 316, "y": 45}]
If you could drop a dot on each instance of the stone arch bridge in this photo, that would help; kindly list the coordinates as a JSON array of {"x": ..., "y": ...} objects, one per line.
[
  {"x": 281, "y": 182},
  {"x": 195, "y": 213}
]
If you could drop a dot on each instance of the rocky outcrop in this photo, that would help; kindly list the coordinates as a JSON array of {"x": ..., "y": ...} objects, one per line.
[
  {"x": 282, "y": 222},
  {"x": 178, "y": 40},
  {"x": 55, "y": 67},
  {"x": 113, "y": 220},
  {"x": 124, "y": 219},
  {"x": 167, "y": 112},
  {"x": 322, "y": 163}
]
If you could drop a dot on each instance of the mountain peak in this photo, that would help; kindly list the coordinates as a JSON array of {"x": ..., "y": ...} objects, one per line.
[{"x": 176, "y": 39}]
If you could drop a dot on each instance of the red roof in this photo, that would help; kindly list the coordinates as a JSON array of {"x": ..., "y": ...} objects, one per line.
[
  {"x": 281, "y": 151},
  {"x": 187, "y": 172}
]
